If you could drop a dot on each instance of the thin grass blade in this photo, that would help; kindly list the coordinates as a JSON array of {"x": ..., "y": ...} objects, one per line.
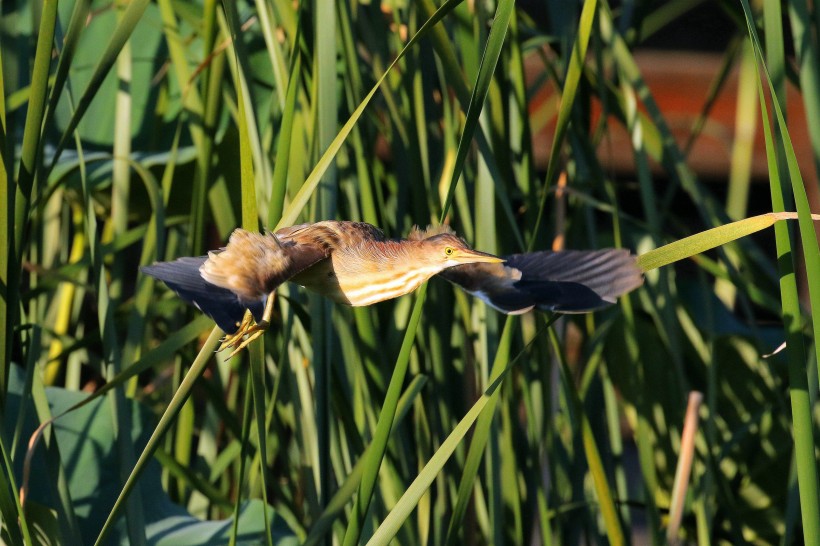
[
  {"x": 573, "y": 77},
  {"x": 304, "y": 194},
  {"x": 396, "y": 518},
  {"x": 778, "y": 151},
  {"x": 121, "y": 33},
  {"x": 165, "y": 422},
  {"x": 386, "y": 417}
]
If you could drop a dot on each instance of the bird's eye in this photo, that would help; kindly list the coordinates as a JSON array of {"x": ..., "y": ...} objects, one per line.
[{"x": 449, "y": 251}]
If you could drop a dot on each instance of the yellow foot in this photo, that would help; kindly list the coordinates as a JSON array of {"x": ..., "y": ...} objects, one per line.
[
  {"x": 231, "y": 340},
  {"x": 246, "y": 328}
]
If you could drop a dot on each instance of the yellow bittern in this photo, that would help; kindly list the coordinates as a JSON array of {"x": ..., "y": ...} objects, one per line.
[{"x": 355, "y": 264}]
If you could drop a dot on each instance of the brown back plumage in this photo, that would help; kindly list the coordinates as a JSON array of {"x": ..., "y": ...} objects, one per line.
[
  {"x": 330, "y": 235},
  {"x": 252, "y": 265}
]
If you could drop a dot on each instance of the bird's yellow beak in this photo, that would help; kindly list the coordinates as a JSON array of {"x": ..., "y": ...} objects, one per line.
[{"x": 469, "y": 256}]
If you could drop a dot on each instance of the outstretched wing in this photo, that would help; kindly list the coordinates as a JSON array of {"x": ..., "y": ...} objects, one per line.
[
  {"x": 571, "y": 281},
  {"x": 223, "y": 306},
  {"x": 238, "y": 277}
]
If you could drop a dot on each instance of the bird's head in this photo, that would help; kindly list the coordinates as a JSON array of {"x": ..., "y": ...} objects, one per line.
[{"x": 448, "y": 250}]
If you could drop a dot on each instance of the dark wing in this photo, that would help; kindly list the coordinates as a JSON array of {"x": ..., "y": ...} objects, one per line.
[
  {"x": 182, "y": 276},
  {"x": 571, "y": 281},
  {"x": 238, "y": 277}
]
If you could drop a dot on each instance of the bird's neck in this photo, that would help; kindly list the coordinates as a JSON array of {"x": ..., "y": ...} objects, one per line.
[{"x": 381, "y": 271}]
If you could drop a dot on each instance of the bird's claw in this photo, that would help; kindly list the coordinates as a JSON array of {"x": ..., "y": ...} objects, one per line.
[{"x": 247, "y": 328}]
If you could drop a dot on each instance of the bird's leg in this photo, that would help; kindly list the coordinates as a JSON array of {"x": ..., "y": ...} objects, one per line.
[
  {"x": 231, "y": 340},
  {"x": 249, "y": 329}
]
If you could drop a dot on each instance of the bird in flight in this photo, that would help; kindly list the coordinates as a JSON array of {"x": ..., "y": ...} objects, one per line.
[{"x": 354, "y": 263}]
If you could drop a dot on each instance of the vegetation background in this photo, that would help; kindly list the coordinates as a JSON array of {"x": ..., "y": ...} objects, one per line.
[{"x": 140, "y": 131}]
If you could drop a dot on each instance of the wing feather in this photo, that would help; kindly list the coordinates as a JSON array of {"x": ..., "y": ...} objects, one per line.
[
  {"x": 222, "y": 305},
  {"x": 254, "y": 264},
  {"x": 238, "y": 277},
  {"x": 571, "y": 281}
]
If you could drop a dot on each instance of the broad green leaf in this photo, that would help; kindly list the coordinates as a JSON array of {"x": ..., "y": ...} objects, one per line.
[{"x": 90, "y": 457}]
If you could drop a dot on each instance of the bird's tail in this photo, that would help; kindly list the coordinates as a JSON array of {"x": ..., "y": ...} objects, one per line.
[{"x": 222, "y": 305}]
